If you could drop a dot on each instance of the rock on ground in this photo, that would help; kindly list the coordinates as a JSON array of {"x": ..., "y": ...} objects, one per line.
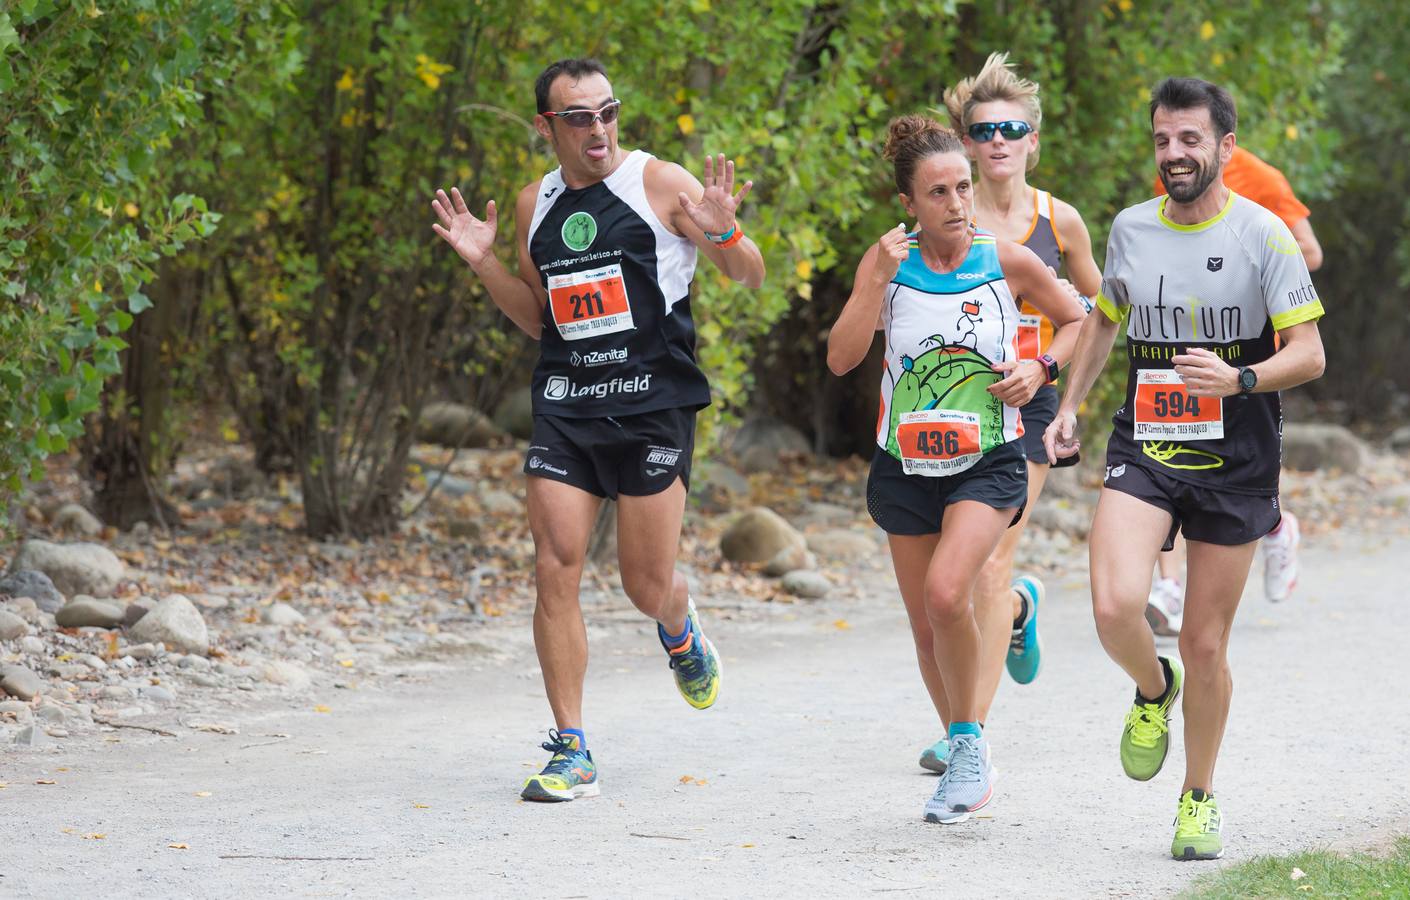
[
  {"x": 86, "y": 611},
  {"x": 35, "y": 585},
  {"x": 843, "y": 545},
  {"x": 12, "y": 626},
  {"x": 17, "y": 681},
  {"x": 73, "y": 568},
  {"x": 1312, "y": 447},
  {"x": 176, "y": 622},
  {"x": 456, "y": 425},
  {"x": 758, "y": 535},
  {"x": 515, "y": 413},
  {"x": 74, "y": 519},
  {"x": 287, "y": 674},
  {"x": 282, "y": 614},
  {"x": 717, "y": 488},
  {"x": 807, "y": 584},
  {"x": 789, "y": 559}
]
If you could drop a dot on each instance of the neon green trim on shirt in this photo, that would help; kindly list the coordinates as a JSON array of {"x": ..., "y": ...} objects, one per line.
[
  {"x": 1112, "y": 313},
  {"x": 1198, "y": 226},
  {"x": 1304, "y": 313}
]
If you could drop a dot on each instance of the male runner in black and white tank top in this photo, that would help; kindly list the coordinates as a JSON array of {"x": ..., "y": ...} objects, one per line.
[{"x": 607, "y": 248}]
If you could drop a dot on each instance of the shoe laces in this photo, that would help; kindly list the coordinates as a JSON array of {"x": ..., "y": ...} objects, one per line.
[
  {"x": 691, "y": 663},
  {"x": 965, "y": 764},
  {"x": 1277, "y": 552},
  {"x": 1147, "y": 724},
  {"x": 563, "y": 754},
  {"x": 1196, "y": 816}
]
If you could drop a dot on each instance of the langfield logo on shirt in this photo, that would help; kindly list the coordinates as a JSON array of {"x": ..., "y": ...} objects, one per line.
[
  {"x": 560, "y": 387},
  {"x": 597, "y": 358}
]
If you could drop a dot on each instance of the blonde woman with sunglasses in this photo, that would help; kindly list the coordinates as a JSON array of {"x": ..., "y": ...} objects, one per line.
[{"x": 998, "y": 115}]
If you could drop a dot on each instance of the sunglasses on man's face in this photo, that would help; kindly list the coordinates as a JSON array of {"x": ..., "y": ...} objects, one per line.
[
  {"x": 583, "y": 118},
  {"x": 983, "y": 132}
]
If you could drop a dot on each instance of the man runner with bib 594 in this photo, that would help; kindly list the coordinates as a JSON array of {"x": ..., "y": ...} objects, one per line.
[
  {"x": 1203, "y": 279},
  {"x": 607, "y": 246}
]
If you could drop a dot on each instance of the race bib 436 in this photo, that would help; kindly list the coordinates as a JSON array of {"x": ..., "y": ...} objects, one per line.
[
  {"x": 587, "y": 304},
  {"x": 938, "y": 441},
  {"x": 1164, "y": 410}
]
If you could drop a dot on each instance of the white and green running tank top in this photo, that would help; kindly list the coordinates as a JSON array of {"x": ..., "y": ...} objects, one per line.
[{"x": 944, "y": 332}]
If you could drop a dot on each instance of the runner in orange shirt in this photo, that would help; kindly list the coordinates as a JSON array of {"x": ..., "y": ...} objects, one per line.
[{"x": 1250, "y": 177}]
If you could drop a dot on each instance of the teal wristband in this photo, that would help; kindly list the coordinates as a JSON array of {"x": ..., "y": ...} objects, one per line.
[{"x": 721, "y": 238}]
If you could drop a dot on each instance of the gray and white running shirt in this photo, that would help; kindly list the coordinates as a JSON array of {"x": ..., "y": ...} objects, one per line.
[{"x": 1225, "y": 285}]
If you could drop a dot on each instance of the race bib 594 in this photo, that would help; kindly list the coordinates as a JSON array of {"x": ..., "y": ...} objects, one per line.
[{"x": 1165, "y": 410}]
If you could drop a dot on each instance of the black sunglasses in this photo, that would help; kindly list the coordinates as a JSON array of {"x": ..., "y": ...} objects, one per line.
[
  {"x": 1012, "y": 130},
  {"x": 583, "y": 118}
]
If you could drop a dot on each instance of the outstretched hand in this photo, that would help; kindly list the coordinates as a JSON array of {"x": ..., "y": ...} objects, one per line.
[
  {"x": 472, "y": 238},
  {"x": 715, "y": 212}
]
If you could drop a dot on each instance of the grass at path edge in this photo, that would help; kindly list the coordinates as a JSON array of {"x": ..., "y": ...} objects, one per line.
[{"x": 1326, "y": 874}]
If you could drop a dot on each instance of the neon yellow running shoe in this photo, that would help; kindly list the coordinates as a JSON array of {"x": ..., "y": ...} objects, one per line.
[
  {"x": 695, "y": 663},
  {"x": 570, "y": 774},
  {"x": 1198, "y": 827},
  {"x": 1146, "y": 739}
]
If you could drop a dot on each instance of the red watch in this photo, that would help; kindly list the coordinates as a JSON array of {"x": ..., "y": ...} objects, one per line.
[{"x": 1051, "y": 366}]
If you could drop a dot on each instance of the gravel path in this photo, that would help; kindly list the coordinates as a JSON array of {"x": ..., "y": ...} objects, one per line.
[{"x": 802, "y": 780}]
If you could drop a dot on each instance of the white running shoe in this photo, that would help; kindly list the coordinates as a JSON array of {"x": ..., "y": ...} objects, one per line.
[
  {"x": 1165, "y": 608},
  {"x": 1280, "y": 560}
]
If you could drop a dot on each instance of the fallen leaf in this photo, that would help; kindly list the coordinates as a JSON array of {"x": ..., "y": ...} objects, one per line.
[
  {"x": 94, "y": 836},
  {"x": 841, "y": 624},
  {"x": 1297, "y": 874},
  {"x": 419, "y": 806},
  {"x": 320, "y": 708},
  {"x": 203, "y": 793},
  {"x": 346, "y": 663},
  {"x": 45, "y": 781},
  {"x": 747, "y": 846},
  {"x": 178, "y": 846}
]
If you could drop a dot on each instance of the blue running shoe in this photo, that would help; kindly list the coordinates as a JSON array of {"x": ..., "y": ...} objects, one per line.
[
  {"x": 695, "y": 663},
  {"x": 570, "y": 774},
  {"x": 936, "y": 756},
  {"x": 1025, "y": 646}
]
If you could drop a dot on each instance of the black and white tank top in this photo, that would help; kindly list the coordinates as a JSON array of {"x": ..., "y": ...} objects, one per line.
[{"x": 618, "y": 338}]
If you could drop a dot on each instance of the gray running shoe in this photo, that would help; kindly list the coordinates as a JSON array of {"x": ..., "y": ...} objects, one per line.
[{"x": 967, "y": 785}]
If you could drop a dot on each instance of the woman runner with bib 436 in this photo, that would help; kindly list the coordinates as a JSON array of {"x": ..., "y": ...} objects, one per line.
[
  {"x": 998, "y": 117},
  {"x": 949, "y": 475}
]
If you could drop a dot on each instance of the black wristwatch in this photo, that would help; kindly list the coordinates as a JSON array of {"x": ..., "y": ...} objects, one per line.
[
  {"x": 1051, "y": 366},
  {"x": 1248, "y": 380}
]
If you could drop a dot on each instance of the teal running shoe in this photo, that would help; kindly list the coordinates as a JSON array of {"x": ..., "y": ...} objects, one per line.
[
  {"x": 570, "y": 774},
  {"x": 696, "y": 664},
  {"x": 1025, "y": 646},
  {"x": 936, "y": 756}
]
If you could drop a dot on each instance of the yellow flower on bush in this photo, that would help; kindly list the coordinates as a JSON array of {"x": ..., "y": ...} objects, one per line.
[
  {"x": 345, "y": 83},
  {"x": 686, "y": 123},
  {"x": 430, "y": 71},
  {"x": 1206, "y": 30}
]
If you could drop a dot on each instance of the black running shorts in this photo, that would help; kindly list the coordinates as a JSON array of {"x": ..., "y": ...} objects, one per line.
[
  {"x": 915, "y": 504},
  {"x": 634, "y": 455},
  {"x": 1203, "y": 514},
  {"x": 1037, "y": 415}
]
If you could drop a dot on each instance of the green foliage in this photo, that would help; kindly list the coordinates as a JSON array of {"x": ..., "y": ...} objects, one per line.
[
  {"x": 1313, "y": 873},
  {"x": 89, "y": 102}
]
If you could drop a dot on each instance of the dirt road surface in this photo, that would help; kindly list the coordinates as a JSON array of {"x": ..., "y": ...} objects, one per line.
[{"x": 802, "y": 781}]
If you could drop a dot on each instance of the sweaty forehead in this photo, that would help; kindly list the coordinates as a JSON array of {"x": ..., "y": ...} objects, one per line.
[
  {"x": 590, "y": 91},
  {"x": 1178, "y": 121},
  {"x": 942, "y": 168},
  {"x": 998, "y": 111}
]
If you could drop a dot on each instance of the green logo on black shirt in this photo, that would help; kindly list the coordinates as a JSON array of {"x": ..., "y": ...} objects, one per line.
[{"x": 579, "y": 230}]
